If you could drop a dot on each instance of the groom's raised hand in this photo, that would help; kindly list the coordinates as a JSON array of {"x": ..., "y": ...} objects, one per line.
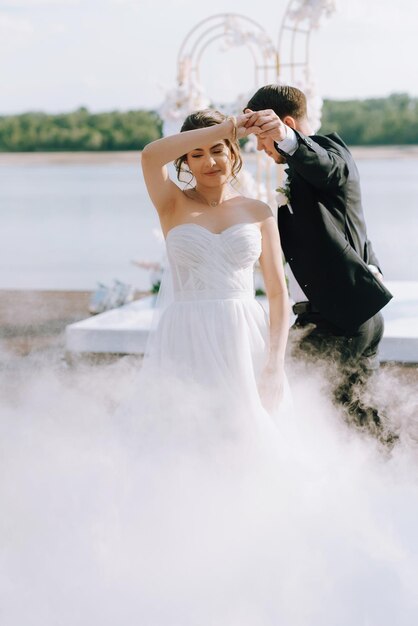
[
  {"x": 267, "y": 123},
  {"x": 243, "y": 127}
]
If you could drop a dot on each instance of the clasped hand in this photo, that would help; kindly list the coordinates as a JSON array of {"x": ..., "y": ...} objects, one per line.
[{"x": 261, "y": 123}]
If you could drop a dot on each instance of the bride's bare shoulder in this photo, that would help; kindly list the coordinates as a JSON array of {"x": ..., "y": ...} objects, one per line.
[{"x": 260, "y": 210}]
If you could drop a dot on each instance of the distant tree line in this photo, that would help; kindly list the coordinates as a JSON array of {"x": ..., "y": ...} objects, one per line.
[
  {"x": 373, "y": 122},
  {"x": 79, "y": 130},
  {"x": 378, "y": 121}
]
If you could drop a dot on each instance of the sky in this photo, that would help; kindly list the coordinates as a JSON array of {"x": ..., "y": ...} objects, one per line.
[{"x": 58, "y": 55}]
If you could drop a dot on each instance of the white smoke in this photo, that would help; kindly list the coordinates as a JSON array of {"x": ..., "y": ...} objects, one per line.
[{"x": 109, "y": 517}]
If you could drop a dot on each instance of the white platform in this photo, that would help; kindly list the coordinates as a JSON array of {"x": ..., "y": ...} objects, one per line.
[
  {"x": 400, "y": 341},
  {"x": 125, "y": 330},
  {"x": 119, "y": 331}
]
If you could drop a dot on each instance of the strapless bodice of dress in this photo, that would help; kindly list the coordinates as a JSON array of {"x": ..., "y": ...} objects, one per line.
[{"x": 210, "y": 266}]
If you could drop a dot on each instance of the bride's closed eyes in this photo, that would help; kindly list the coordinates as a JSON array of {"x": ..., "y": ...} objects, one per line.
[
  {"x": 218, "y": 149},
  {"x": 197, "y": 156}
]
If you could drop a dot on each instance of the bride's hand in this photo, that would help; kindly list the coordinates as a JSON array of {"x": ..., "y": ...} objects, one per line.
[
  {"x": 270, "y": 387},
  {"x": 242, "y": 130}
]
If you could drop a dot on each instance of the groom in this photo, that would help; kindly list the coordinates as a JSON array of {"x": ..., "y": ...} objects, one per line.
[{"x": 335, "y": 278}]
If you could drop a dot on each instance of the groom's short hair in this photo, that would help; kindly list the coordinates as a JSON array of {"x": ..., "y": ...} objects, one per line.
[{"x": 282, "y": 99}]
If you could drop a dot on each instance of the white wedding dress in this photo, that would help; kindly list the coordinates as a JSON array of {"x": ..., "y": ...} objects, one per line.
[
  {"x": 211, "y": 342},
  {"x": 199, "y": 379},
  {"x": 214, "y": 332}
]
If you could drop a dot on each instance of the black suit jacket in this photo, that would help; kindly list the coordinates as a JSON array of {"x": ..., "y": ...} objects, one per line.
[{"x": 323, "y": 233}]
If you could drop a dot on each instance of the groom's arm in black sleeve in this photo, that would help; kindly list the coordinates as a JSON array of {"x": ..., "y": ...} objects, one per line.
[
  {"x": 321, "y": 167},
  {"x": 324, "y": 166}
]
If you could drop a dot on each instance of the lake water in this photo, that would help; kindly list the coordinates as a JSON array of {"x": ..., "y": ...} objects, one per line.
[{"x": 67, "y": 225}]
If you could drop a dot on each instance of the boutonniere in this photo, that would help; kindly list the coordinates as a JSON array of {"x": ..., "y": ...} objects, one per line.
[
  {"x": 283, "y": 193},
  {"x": 283, "y": 196}
]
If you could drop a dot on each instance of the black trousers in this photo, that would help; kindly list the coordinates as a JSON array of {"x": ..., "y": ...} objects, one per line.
[{"x": 354, "y": 355}]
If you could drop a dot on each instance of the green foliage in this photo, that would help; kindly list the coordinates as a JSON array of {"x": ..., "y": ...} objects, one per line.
[
  {"x": 373, "y": 122},
  {"x": 377, "y": 121},
  {"x": 155, "y": 288},
  {"x": 79, "y": 130}
]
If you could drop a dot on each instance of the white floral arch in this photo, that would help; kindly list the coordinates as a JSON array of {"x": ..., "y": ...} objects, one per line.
[{"x": 233, "y": 30}]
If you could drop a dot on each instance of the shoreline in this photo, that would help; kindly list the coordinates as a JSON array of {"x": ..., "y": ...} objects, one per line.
[{"x": 133, "y": 157}]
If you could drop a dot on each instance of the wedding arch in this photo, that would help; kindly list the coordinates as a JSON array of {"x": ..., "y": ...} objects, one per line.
[{"x": 233, "y": 30}]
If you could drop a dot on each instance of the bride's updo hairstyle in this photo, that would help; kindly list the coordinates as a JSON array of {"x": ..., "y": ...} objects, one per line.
[{"x": 203, "y": 119}]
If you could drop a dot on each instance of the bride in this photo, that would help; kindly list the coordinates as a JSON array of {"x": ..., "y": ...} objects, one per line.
[{"x": 214, "y": 334}]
